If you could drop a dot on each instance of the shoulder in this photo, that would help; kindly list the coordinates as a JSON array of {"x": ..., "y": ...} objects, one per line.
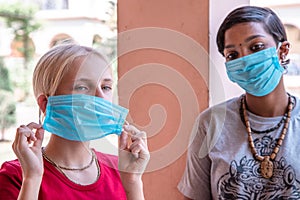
[
  {"x": 107, "y": 159},
  {"x": 11, "y": 167},
  {"x": 219, "y": 111},
  {"x": 109, "y": 168},
  {"x": 110, "y": 176},
  {"x": 226, "y": 105},
  {"x": 10, "y": 179},
  {"x": 212, "y": 121}
]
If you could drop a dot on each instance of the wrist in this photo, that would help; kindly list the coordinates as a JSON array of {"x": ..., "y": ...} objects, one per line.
[
  {"x": 134, "y": 190},
  {"x": 131, "y": 178},
  {"x": 30, "y": 188},
  {"x": 34, "y": 180}
]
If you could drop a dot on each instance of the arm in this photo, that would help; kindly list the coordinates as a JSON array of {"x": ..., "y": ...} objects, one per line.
[
  {"x": 133, "y": 158},
  {"x": 195, "y": 182},
  {"x": 133, "y": 186},
  {"x": 27, "y": 147}
]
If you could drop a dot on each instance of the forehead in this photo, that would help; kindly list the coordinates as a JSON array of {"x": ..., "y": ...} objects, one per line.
[
  {"x": 242, "y": 31},
  {"x": 91, "y": 67}
]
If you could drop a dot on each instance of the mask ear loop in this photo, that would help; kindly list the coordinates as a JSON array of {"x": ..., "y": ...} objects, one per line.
[
  {"x": 40, "y": 120},
  {"x": 41, "y": 117},
  {"x": 278, "y": 46},
  {"x": 285, "y": 71}
]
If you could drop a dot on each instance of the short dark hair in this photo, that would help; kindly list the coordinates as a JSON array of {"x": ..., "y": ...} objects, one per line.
[{"x": 271, "y": 23}]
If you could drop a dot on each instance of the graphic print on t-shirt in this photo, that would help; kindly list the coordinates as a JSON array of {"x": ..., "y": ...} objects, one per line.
[{"x": 244, "y": 180}]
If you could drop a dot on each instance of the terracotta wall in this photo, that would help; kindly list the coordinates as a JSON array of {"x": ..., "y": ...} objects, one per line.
[{"x": 163, "y": 74}]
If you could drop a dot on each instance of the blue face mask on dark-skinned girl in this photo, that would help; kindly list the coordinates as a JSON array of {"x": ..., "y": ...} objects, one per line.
[
  {"x": 81, "y": 117},
  {"x": 258, "y": 73}
]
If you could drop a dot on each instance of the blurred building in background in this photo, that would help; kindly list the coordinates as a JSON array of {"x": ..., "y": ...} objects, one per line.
[{"x": 89, "y": 22}]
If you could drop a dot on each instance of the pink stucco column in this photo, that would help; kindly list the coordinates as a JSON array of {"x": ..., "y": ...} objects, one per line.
[{"x": 163, "y": 75}]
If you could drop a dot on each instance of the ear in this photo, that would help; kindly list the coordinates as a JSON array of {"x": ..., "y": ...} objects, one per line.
[
  {"x": 284, "y": 50},
  {"x": 42, "y": 102}
]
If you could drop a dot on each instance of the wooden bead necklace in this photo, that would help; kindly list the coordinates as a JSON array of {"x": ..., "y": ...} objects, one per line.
[
  {"x": 266, "y": 165},
  {"x": 263, "y": 131}
]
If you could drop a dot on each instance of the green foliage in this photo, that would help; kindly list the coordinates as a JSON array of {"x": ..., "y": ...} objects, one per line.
[
  {"x": 20, "y": 18},
  {"x": 21, "y": 78},
  {"x": 7, "y": 102},
  {"x": 5, "y": 83},
  {"x": 7, "y": 110}
]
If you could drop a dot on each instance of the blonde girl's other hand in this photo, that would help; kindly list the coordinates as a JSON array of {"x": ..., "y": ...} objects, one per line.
[
  {"x": 27, "y": 147},
  {"x": 133, "y": 159},
  {"x": 133, "y": 150}
]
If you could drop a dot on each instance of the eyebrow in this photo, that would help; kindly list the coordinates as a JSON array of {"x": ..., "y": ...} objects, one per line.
[
  {"x": 253, "y": 37},
  {"x": 87, "y": 79},
  {"x": 108, "y": 80},
  {"x": 246, "y": 40},
  {"x": 83, "y": 80}
]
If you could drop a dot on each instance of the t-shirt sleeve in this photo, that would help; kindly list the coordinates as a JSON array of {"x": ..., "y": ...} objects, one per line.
[
  {"x": 10, "y": 180},
  {"x": 195, "y": 182}
]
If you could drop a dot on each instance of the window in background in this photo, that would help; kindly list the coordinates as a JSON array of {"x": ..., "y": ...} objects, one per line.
[{"x": 55, "y": 4}]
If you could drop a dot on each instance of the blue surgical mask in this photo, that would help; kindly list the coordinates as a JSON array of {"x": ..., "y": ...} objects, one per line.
[
  {"x": 81, "y": 117},
  {"x": 258, "y": 73}
]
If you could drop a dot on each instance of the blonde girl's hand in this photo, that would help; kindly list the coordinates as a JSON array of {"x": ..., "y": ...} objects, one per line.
[
  {"x": 27, "y": 147},
  {"x": 133, "y": 150},
  {"x": 133, "y": 159}
]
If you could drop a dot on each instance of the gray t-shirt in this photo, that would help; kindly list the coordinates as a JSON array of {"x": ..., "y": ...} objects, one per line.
[{"x": 220, "y": 164}]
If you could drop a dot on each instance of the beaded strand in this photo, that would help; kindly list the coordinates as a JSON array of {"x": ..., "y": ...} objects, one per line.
[{"x": 266, "y": 160}]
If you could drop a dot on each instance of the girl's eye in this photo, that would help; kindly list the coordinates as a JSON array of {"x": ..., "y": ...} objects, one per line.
[
  {"x": 81, "y": 88},
  {"x": 106, "y": 88},
  {"x": 231, "y": 56},
  {"x": 257, "y": 47}
]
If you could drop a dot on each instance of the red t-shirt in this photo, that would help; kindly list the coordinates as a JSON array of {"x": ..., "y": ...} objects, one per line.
[{"x": 56, "y": 186}]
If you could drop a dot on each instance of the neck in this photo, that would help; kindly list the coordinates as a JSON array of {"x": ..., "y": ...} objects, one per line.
[
  {"x": 271, "y": 105},
  {"x": 68, "y": 153}
]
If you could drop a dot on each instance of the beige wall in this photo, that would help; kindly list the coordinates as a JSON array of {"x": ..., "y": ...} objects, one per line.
[
  {"x": 220, "y": 87},
  {"x": 163, "y": 75}
]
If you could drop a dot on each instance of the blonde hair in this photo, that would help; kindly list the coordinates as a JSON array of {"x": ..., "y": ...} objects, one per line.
[{"x": 53, "y": 65}]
